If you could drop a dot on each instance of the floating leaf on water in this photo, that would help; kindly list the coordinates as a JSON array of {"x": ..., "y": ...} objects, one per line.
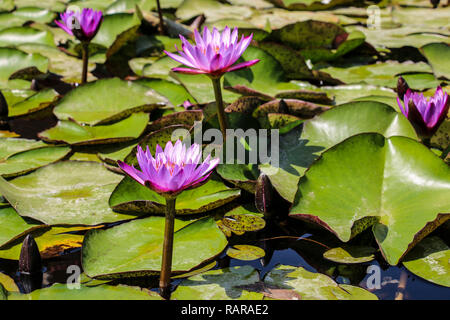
[
  {"x": 75, "y": 199},
  {"x": 134, "y": 248},
  {"x": 245, "y": 252},
  {"x": 8, "y": 283},
  {"x": 430, "y": 260},
  {"x": 350, "y": 254},
  {"x": 313, "y": 286},
  {"x": 391, "y": 195},
  {"x": 107, "y": 100},
  {"x": 59, "y": 291},
  {"x": 222, "y": 284}
]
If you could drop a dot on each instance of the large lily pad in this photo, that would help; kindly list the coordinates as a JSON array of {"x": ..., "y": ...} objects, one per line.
[
  {"x": 314, "y": 286},
  {"x": 267, "y": 76},
  {"x": 13, "y": 60},
  {"x": 36, "y": 102},
  {"x": 430, "y": 260},
  {"x": 18, "y": 35},
  {"x": 113, "y": 25},
  {"x": 438, "y": 55},
  {"x": 223, "y": 284},
  {"x": 379, "y": 74},
  {"x": 392, "y": 171},
  {"x": 107, "y": 100},
  {"x": 72, "y": 133},
  {"x": 52, "y": 241},
  {"x": 11, "y": 225},
  {"x": 10, "y": 146},
  {"x": 130, "y": 196},
  {"x": 301, "y": 146},
  {"x": 59, "y": 291},
  {"x": 135, "y": 248},
  {"x": 58, "y": 194},
  {"x": 26, "y": 161}
]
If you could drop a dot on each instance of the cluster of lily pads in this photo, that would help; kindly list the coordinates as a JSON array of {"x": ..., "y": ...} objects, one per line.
[{"x": 86, "y": 111}]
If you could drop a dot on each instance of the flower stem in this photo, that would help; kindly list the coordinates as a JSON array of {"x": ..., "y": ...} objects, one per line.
[
  {"x": 220, "y": 107},
  {"x": 166, "y": 267},
  {"x": 85, "y": 55},
  {"x": 161, "y": 19}
]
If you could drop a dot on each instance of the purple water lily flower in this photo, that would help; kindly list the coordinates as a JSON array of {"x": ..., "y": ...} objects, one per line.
[
  {"x": 213, "y": 54},
  {"x": 172, "y": 170},
  {"x": 83, "y": 25},
  {"x": 425, "y": 115}
]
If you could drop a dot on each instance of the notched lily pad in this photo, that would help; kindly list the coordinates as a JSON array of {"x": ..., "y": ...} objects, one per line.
[
  {"x": 391, "y": 195},
  {"x": 59, "y": 194},
  {"x": 130, "y": 196},
  {"x": 350, "y": 254},
  {"x": 222, "y": 284},
  {"x": 313, "y": 286},
  {"x": 107, "y": 100},
  {"x": 135, "y": 248},
  {"x": 245, "y": 252},
  {"x": 430, "y": 260},
  {"x": 72, "y": 133}
]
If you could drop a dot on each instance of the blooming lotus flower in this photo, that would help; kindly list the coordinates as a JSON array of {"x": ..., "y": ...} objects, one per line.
[
  {"x": 83, "y": 25},
  {"x": 213, "y": 54},
  {"x": 172, "y": 170},
  {"x": 425, "y": 115}
]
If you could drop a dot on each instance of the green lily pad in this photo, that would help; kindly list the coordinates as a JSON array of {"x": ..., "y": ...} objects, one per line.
[
  {"x": 11, "y": 146},
  {"x": 316, "y": 40},
  {"x": 314, "y": 286},
  {"x": 26, "y": 161},
  {"x": 68, "y": 67},
  {"x": 130, "y": 196},
  {"x": 379, "y": 74},
  {"x": 72, "y": 133},
  {"x": 112, "y": 153},
  {"x": 245, "y": 252},
  {"x": 59, "y": 291},
  {"x": 266, "y": 76},
  {"x": 392, "y": 171},
  {"x": 36, "y": 102},
  {"x": 11, "y": 225},
  {"x": 301, "y": 146},
  {"x": 430, "y": 260},
  {"x": 212, "y": 9},
  {"x": 135, "y": 248},
  {"x": 18, "y": 35},
  {"x": 58, "y": 194},
  {"x": 346, "y": 93},
  {"x": 240, "y": 222},
  {"x": 106, "y": 100},
  {"x": 8, "y": 283},
  {"x": 13, "y": 60},
  {"x": 403, "y": 36},
  {"x": 52, "y": 241},
  {"x": 113, "y": 25},
  {"x": 187, "y": 118},
  {"x": 350, "y": 254},
  {"x": 20, "y": 16},
  {"x": 438, "y": 55},
  {"x": 201, "y": 88},
  {"x": 223, "y": 284},
  {"x": 310, "y": 4},
  {"x": 154, "y": 138},
  {"x": 3, "y": 293},
  {"x": 175, "y": 93}
]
